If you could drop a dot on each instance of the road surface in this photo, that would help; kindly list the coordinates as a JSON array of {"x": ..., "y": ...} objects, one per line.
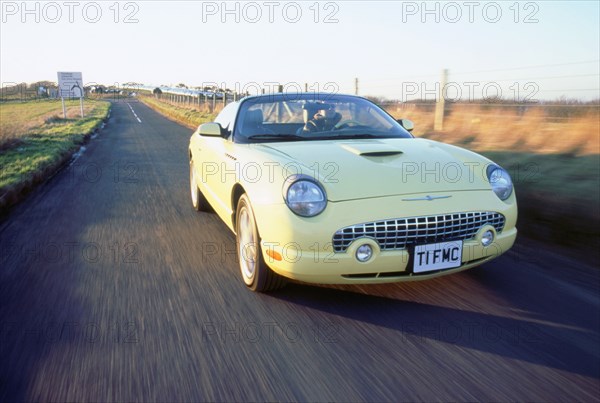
[{"x": 113, "y": 288}]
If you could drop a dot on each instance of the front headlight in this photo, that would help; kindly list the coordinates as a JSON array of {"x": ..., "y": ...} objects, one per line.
[
  {"x": 500, "y": 180},
  {"x": 304, "y": 195}
]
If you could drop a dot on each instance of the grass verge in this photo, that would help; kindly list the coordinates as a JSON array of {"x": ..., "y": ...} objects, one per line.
[
  {"x": 36, "y": 142},
  {"x": 190, "y": 117}
]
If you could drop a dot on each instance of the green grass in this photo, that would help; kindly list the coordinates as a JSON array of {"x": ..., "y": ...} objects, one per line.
[
  {"x": 189, "y": 117},
  {"x": 44, "y": 140}
]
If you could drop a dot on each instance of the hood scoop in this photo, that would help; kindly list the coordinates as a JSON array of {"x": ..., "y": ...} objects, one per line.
[
  {"x": 380, "y": 153},
  {"x": 371, "y": 149}
]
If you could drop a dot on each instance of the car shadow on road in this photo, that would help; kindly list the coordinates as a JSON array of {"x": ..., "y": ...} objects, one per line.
[{"x": 514, "y": 336}]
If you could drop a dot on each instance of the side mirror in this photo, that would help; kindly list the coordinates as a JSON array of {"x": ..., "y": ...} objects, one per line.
[
  {"x": 210, "y": 129},
  {"x": 407, "y": 124}
]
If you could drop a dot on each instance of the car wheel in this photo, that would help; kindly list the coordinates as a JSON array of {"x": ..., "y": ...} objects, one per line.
[
  {"x": 256, "y": 274},
  {"x": 198, "y": 201}
]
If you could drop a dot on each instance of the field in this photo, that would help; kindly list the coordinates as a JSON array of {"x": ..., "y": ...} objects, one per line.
[{"x": 35, "y": 140}]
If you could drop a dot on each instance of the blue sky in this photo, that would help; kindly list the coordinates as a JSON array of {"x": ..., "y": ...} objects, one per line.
[{"x": 540, "y": 49}]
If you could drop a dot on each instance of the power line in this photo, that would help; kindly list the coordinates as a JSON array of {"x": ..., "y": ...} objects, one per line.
[
  {"x": 573, "y": 89},
  {"x": 405, "y": 77},
  {"x": 529, "y": 67},
  {"x": 451, "y": 73},
  {"x": 489, "y": 81},
  {"x": 546, "y": 78}
]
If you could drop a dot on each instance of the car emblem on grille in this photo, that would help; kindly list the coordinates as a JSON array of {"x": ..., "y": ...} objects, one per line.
[{"x": 428, "y": 198}]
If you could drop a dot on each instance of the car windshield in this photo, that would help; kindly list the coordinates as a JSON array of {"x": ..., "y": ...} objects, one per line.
[{"x": 310, "y": 117}]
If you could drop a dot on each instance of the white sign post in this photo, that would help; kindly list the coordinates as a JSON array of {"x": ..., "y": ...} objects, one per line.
[{"x": 70, "y": 84}]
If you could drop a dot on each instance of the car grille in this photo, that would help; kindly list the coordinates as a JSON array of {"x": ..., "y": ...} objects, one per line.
[{"x": 400, "y": 232}]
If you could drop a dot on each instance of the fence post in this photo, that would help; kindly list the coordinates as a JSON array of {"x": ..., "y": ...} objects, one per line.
[{"x": 438, "y": 123}]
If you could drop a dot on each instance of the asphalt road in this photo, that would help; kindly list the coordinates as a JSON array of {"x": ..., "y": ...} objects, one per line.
[{"x": 113, "y": 288}]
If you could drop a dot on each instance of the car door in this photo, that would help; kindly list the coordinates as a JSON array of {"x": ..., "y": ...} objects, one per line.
[
  {"x": 228, "y": 170},
  {"x": 215, "y": 165}
]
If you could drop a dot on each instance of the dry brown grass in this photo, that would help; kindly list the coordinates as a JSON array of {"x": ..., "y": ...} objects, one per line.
[{"x": 498, "y": 129}]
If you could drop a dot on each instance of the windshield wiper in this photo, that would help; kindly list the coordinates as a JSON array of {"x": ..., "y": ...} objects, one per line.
[{"x": 276, "y": 137}]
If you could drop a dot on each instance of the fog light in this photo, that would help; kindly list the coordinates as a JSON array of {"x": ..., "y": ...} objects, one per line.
[
  {"x": 487, "y": 238},
  {"x": 364, "y": 253}
]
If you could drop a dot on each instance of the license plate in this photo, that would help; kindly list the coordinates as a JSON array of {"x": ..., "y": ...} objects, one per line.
[{"x": 437, "y": 256}]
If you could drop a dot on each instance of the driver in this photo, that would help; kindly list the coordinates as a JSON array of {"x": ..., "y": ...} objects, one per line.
[{"x": 320, "y": 117}]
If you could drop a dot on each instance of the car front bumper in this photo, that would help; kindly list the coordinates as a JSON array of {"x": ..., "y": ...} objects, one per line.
[{"x": 301, "y": 248}]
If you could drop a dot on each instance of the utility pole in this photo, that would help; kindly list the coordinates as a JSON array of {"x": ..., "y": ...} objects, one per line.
[
  {"x": 438, "y": 123},
  {"x": 356, "y": 86}
]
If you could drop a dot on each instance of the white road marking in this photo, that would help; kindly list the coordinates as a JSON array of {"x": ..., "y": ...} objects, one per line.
[{"x": 134, "y": 114}]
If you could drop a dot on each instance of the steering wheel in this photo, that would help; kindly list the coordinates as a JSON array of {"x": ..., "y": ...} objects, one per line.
[{"x": 346, "y": 123}]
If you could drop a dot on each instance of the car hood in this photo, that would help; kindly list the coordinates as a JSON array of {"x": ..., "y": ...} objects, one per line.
[{"x": 360, "y": 169}]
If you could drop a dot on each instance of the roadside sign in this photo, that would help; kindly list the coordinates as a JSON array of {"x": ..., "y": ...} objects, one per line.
[{"x": 70, "y": 84}]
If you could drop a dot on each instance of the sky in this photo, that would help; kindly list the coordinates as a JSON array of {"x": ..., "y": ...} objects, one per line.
[{"x": 517, "y": 50}]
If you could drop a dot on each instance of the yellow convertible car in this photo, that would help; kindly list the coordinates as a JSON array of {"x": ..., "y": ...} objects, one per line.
[{"x": 331, "y": 189}]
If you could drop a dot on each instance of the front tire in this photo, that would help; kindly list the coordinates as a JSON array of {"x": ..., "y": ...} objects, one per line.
[
  {"x": 199, "y": 203},
  {"x": 256, "y": 274}
]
